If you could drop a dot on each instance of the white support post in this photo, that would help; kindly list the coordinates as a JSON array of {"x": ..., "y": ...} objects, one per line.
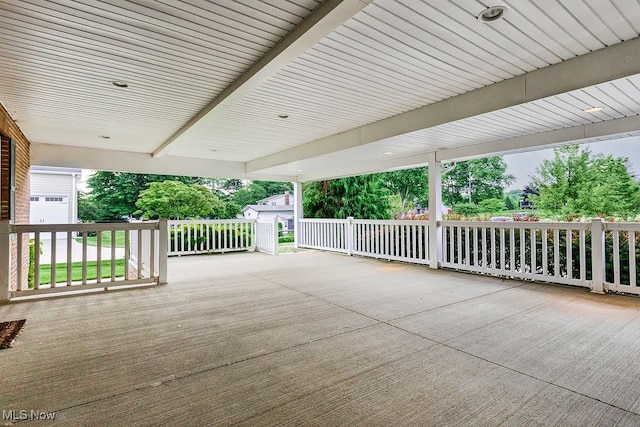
[
  {"x": 435, "y": 211},
  {"x": 597, "y": 256},
  {"x": 163, "y": 245},
  {"x": 276, "y": 240},
  {"x": 350, "y": 235},
  {"x": 297, "y": 214},
  {"x": 5, "y": 260}
]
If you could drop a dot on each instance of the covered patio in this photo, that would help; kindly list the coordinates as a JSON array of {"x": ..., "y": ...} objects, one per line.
[{"x": 317, "y": 338}]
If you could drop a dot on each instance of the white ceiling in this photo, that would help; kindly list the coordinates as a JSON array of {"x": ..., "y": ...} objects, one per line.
[{"x": 366, "y": 85}]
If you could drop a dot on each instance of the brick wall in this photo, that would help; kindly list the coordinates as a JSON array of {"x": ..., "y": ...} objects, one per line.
[{"x": 10, "y": 130}]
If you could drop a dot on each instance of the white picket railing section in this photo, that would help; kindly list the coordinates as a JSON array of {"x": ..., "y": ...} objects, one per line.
[
  {"x": 622, "y": 247},
  {"x": 189, "y": 237},
  {"x": 325, "y": 234},
  {"x": 267, "y": 236},
  {"x": 65, "y": 252},
  {"x": 397, "y": 240},
  {"x": 548, "y": 252}
]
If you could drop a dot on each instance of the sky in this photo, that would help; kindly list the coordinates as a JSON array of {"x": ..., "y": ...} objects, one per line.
[{"x": 523, "y": 165}]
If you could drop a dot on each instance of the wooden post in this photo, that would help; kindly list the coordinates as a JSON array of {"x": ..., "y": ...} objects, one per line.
[{"x": 598, "y": 264}]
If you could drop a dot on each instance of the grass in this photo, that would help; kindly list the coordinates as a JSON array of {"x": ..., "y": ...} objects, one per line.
[
  {"x": 76, "y": 271},
  {"x": 106, "y": 239}
]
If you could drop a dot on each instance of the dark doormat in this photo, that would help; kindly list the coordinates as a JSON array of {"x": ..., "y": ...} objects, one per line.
[{"x": 9, "y": 331}]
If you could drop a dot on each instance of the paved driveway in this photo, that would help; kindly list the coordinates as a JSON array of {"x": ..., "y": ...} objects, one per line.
[{"x": 76, "y": 251}]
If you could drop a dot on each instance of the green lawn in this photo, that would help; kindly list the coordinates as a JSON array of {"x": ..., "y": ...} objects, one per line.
[
  {"x": 106, "y": 239},
  {"x": 76, "y": 271}
]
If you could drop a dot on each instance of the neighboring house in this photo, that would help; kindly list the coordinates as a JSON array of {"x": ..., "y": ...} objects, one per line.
[
  {"x": 280, "y": 205},
  {"x": 285, "y": 199},
  {"x": 54, "y": 195}
]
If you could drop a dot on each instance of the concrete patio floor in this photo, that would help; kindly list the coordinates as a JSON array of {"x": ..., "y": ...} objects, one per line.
[{"x": 321, "y": 339}]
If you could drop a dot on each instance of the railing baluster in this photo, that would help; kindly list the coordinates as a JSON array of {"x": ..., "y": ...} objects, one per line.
[
  {"x": 569, "y": 249},
  {"x": 583, "y": 257},
  {"x": 616, "y": 257},
  {"x": 19, "y": 260},
  {"x": 632, "y": 259},
  {"x": 69, "y": 258},
  {"x": 99, "y": 256},
  {"x": 545, "y": 252},
  {"x": 36, "y": 268},
  {"x": 556, "y": 252},
  {"x": 503, "y": 246}
]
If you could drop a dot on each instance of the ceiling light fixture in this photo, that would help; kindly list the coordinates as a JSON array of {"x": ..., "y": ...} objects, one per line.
[
  {"x": 283, "y": 116},
  {"x": 593, "y": 109},
  {"x": 387, "y": 153},
  {"x": 492, "y": 13},
  {"x": 300, "y": 170},
  {"x": 119, "y": 84}
]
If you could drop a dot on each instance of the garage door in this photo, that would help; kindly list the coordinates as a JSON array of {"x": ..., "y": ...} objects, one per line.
[{"x": 49, "y": 210}]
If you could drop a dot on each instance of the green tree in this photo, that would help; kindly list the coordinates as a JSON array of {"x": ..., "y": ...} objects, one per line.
[
  {"x": 249, "y": 195},
  {"x": 408, "y": 188},
  {"x": 509, "y": 204},
  {"x": 475, "y": 180},
  {"x": 360, "y": 197},
  {"x": 467, "y": 209},
  {"x": 579, "y": 182},
  {"x": 177, "y": 200},
  {"x": 116, "y": 193},
  {"x": 492, "y": 205},
  {"x": 88, "y": 210}
]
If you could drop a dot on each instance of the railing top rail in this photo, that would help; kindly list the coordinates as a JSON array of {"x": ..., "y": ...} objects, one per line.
[
  {"x": 324, "y": 220},
  {"x": 520, "y": 224},
  {"x": 209, "y": 221},
  {"x": 34, "y": 228},
  {"x": 392, "y": 221},
  {"x": 622, "y": 226}
]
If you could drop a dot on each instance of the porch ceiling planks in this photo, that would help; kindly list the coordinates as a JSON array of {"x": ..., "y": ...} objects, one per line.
[{"x": 360, "y": 79}]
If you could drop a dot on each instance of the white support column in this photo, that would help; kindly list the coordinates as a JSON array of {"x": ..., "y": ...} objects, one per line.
[
  {"x": 5, "y": 260},
  {"x": 297, "y": 213},
  {"x": 163, "y": 246},
  {"x": 597, "y": 256},
  {"x": 435, "y": 211}
]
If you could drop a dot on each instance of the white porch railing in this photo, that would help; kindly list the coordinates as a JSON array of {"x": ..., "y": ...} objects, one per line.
[
  {"x": 266, "y": 236},
  {"x": 79, "y": 259},
  {"x": 548, "y": 252},
  {"x": 189, "y": 237},
  {"x": 622, "y": 252},
  {"x": 397, "y": 240},
  {"x": 325, "y": 234}
]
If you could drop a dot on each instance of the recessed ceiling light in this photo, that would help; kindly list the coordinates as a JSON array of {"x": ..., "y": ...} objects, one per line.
[
  {"x": 492, "y": 13},
  {"x": 593, "y": 109},
  {"x": 283, "y": 116},
  {"x": 119, "y": 84},
  {"x": 105, "y": 137},
  {"x": 386, "y": 153},
  {"x": 300, "y": 170}
]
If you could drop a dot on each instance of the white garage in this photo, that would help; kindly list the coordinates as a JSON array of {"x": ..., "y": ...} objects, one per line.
[{"x": 54, "y": 198}]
